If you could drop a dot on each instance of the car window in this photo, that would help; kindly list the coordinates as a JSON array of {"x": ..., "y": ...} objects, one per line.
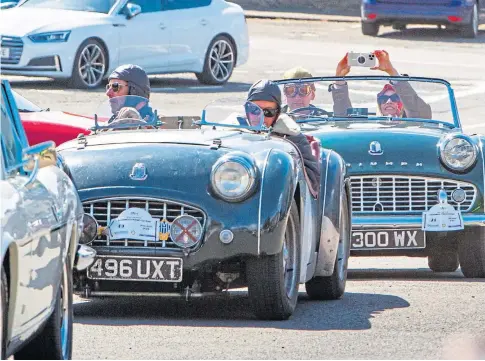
[
  {"x": 11, "y": 146},
  {"x": 185, "y": 4},
  {"x": 148, "y": 6}
]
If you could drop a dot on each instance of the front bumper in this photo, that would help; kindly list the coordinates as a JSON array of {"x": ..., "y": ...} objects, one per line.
[
  {"x": 417, "y": 14},
  {"x": 396, "y": 222},
  {"x": 27, "y": 58}
]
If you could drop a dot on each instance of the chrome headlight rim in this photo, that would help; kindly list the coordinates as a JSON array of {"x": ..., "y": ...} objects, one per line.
[
  {"x": 442, "y": 147},
  {"x": 82, "y": 237},
  {"x": 248, "y": 163}
]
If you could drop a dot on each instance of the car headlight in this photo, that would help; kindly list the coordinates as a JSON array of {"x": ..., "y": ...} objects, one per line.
[
  {"x": 458, "y": 153},
  {"x": 233, "y": 176},
  {"x": 51, "y": 37}
]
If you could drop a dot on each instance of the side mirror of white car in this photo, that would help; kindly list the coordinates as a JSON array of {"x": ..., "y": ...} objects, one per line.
[{"x": 131, "y": 10}]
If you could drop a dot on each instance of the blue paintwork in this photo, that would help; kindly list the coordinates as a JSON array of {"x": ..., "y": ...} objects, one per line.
[
  {"x": 417, "y": 11},
  {"x": 178, "y": 165}
]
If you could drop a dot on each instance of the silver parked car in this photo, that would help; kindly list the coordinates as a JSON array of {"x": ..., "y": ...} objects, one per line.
[{"x": 41, "y": 225}]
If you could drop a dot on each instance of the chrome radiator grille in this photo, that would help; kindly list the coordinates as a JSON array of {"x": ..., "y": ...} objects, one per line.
[
  {"x": 15, "y": 46},
  {"x": 105, "y": 210},
  {"x": 401, "y": 194}
]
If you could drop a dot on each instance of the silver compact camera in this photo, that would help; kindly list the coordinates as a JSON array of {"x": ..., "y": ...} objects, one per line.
[{"x": 362, "y": 59}]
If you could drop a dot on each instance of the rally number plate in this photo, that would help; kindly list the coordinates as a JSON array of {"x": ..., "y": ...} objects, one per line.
[
  {"x": 388, "y": 239},
  {"x": 121, "y": 268}
]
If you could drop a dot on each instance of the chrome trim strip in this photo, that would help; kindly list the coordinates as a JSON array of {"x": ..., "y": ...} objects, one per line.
[
  {"x": 156, "y": 294},
  {"x": 261, "y": 199},
  {"x": 393, "y": 222}
]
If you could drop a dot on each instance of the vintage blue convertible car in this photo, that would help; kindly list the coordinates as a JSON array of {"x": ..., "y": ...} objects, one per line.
[
  {"x": 417, "y": 181},
  {"x": 193, "y": 212}
]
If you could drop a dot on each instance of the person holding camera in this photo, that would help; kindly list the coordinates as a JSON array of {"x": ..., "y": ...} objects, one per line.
[{"x": 396, "y": 99}]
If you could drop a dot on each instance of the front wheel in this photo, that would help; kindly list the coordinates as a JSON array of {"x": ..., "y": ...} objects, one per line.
[
  {"x": 443, "y": 259},
  {"x": 219, "y": 62},
  {"x": 90, "y": 65},
  {"x": 54, "y": 342},
  {"x": 4, "y": 312},
  {"x": 273, "y": 280},
  {"x": 333, "y": 287},
  {"x": 471, "y": 252}
]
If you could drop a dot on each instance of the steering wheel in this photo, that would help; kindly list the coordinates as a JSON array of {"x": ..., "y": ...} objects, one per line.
[{"x": 314, "y": 111}]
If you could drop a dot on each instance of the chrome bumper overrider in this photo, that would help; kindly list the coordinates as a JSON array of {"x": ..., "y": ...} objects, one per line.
[
  {"x": 84, "y": 257},
  {"x": 391, "y": 222}
]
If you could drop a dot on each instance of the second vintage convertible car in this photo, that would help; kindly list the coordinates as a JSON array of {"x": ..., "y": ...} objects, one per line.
[
  {"x": 417, "y": 181},
  {"x": 194, "y": 212}
]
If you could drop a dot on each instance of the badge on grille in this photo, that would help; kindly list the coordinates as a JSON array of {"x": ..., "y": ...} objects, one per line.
[
  {"x": 375, "y": 148},
  {"x": 164, "y": 230}
]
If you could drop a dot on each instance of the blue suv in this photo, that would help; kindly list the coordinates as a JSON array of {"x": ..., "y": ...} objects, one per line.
[{"x": 459, "y": 14}]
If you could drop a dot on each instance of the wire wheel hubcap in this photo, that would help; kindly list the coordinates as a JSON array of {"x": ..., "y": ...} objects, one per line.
[
  {"x": 92, "y": 65},
  {"x": 221, "y": 60}
]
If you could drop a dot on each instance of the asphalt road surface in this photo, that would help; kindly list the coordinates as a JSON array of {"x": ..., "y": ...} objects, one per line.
[{"x": 394, "y": 308}]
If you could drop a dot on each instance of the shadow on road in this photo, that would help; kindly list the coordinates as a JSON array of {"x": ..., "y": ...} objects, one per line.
[
  {"x": 158, "y": 84},
  {"x": 431, "y": 34},
  {"x": 353, "y": 312},
  {"x": 405, "y": 274}
]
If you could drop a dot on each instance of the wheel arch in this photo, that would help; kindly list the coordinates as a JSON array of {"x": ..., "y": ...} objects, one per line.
[{"x": 333, "y": 187}]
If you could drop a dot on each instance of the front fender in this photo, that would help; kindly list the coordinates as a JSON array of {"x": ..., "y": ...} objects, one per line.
[
  {"x": 332, "y": 187},
  {"x": 278, "y": 184}
]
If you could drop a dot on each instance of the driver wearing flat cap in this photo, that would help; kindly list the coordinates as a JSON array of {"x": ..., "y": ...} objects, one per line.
[{"x": 267, "y": 96}]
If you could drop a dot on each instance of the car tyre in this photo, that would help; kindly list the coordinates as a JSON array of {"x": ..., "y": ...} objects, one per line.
[
  {"x": 470, "y": 30},
  {"x": 219, "y": 63},
  {"x": 370, "y": 29},
  {"x": 471, "y": 252},
  {"x": 90, "y": 65},
  {"x": 333, "y": 287},
  {"x": 443, "y": 260},
  {"x": 4, "y": 311},
  {"x": 273, "y": 280},
  {"x": 54, "y": 342}
]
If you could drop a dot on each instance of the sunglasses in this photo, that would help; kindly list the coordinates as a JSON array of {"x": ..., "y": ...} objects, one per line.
[
  {"x": 381, "y": 99},
  {"x": 115, "y": 86},
  {"x": 253, "y": 109},
  {"x": 292, "y": 90}
]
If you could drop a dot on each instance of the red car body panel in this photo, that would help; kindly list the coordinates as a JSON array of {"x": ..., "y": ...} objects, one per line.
[{"x": 59, "y": 127}]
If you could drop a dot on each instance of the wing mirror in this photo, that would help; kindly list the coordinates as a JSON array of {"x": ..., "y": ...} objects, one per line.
[
  {"x": 132, "y": 10},
  {"x": 38, "y": 156}
]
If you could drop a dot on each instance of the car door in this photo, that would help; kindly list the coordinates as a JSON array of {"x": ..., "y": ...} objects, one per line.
[
  {"x": 144, "y": 39},
  {"x": 191, "y": 24}
]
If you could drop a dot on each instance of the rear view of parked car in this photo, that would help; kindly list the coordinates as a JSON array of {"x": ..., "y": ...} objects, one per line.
[
  {"x": 83, "y": 41},
  {"x": 462, "y": 15},
  {"x": 41, "y": 221}
]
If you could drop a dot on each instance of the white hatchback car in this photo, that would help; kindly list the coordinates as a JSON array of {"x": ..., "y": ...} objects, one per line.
[{"x": 83, "y": 41}]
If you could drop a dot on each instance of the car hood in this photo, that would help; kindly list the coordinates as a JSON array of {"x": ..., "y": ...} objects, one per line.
[
  {"x": 174, "y": 160},
  {"x": 23, "y": 21},
  {"x": 405, "y": 149}
]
